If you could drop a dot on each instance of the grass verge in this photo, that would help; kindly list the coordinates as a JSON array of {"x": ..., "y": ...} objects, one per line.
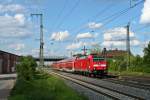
[
  {"x": 130, "y": 73},
  {"x": 43, "y": 87}
]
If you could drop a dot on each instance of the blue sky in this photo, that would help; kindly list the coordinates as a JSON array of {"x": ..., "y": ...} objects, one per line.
[{"x": 71, "y": 24}]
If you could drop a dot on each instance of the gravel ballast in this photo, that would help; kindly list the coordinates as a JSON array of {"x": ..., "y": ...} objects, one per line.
[
  {"x": 91, "y": 95},
  {"x": 122, "y": 88}
]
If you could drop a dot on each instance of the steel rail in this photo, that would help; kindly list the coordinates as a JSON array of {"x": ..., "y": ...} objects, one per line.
[
  {"x": 128, "y": 83},
  {"x": 111, "y": 93}
]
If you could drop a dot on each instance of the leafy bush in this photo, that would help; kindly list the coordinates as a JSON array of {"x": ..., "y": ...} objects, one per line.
[
  {"x": 137, "y": 64},
  {"x": 117, "y": 63},
  {"x": 113, "y": 65},
  {"x": 26, "y": 68}
]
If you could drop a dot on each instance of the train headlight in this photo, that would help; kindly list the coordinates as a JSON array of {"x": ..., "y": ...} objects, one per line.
[
  {"x": 96, "y": 65},
  {"x": 103, "y": 65}
]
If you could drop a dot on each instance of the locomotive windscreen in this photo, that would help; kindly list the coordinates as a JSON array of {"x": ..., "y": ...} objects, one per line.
[{"x": 98, "y": 59}]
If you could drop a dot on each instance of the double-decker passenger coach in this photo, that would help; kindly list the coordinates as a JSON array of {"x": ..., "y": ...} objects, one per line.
[{"x": 85, "y": 64}]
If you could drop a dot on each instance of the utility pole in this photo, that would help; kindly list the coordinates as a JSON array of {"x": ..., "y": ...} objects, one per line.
[
  {"x": 128, "y": 46},
  {"x": 41, "y": 39}
]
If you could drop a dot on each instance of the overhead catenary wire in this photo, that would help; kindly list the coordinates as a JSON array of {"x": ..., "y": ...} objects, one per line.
[
  {"x": 130, "y": 20},
  {"x": 123, "y": 12},
  {"x": 117, "y": 14},
  {"x": 141, "y": 28},
  {"x": 60, "y": 13},
  {"x": 101, "y": 12},
  {"x": 114, "y": 16},
  {"x": 68, "y": 14},
  {"x": 107, "y": 18},
  {"x": 123, "y": 24}
]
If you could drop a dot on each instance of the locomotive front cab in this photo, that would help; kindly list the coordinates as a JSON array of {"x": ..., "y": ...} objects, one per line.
[{"x": 98, "y": 65}]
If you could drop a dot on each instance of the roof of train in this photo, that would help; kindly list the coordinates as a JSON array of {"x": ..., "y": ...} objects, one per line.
[{"x": 68, "y": 59}]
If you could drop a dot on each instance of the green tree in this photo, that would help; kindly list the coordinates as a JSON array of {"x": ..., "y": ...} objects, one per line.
[
  {"x": 136, "y": 60},
  {"x": 136, "y": 63},
  {"x": 117, "y": 63},
  {"x": 147, "y": 54},
  {"x": 26, "y": 68}
]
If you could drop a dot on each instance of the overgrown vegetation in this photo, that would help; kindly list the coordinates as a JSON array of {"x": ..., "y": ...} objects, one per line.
[
  {"x": 26, "y": 68},
  {"x": 35, "y": 85},
  {"x": 137, "y": 63},
  {"x": 43, "y": 87}
]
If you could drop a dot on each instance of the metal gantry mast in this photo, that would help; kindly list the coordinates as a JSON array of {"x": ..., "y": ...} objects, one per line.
[
  {"x": 41, "y": 64},
  {"x": 128, "y": 45}
]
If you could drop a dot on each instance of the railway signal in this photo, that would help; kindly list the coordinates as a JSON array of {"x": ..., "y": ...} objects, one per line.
[
  {"x": 84, "y": 50},
  {"x": 104, "y": 52}
]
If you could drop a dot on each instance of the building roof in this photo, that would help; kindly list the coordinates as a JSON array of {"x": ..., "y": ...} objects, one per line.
[
  {"x": 116, "y": 53},
  {"x": 1, "y": 52}
]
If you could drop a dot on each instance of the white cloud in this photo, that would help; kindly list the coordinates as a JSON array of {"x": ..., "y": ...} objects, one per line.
[
  {"x": 94, "y": 25},
  {"x": 116, "y": 33},
  {"x": 120, "y": 43},
  {"x": 14, "y": 26},
  {"x": 111, "y": 37},
  {"x": 94, "y": 43},
  {"x": 17, "y": 47},
  {"x": 112, "y": 43},
  {"x": 35, "y": 52},
  {"x": 145, "y": 17},
  {"x": 135, "y": 42},
  {"x": 12, "y": 8},
  {"x": 81, "y": 44},
  {"x": 20, "y": 18},
  {"x": 84, "y": 35},
  {"x": 74, "y": 46},
  {"x": 145, "y": 44},
  {"x": 60, "y": 36}
]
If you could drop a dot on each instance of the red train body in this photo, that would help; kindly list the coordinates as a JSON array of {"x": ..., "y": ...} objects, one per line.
[{"x": 90, "y": 64}]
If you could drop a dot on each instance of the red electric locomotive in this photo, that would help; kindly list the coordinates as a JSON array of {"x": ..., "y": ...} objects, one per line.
[{"x": 89, "y": 65}]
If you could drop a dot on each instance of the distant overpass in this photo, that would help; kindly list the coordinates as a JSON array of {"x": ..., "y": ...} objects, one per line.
[{"x": 51, "y": 58}]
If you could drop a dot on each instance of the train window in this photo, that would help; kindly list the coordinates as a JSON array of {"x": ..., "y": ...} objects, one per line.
[
  {"x": 98, "y": 59},
  {"x": 83, "y": 57}
]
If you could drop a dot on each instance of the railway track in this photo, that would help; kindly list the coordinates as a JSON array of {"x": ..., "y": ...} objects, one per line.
[
  {"x": 129, "y": 83},
  {"x": 110, "y": 93},
  {"x": 126, "y": 82}
]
